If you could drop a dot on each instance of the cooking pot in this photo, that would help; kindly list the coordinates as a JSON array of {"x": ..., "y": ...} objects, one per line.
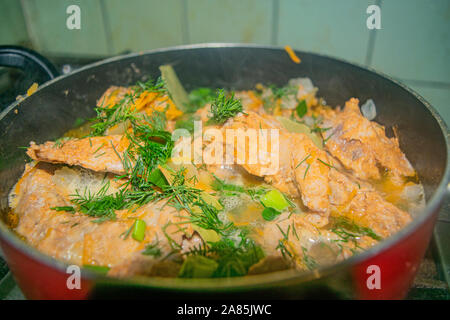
[{"x": 55, "y": 106}]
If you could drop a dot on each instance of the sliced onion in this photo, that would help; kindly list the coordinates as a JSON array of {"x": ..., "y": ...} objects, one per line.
[{"x": 369, "y": 110}]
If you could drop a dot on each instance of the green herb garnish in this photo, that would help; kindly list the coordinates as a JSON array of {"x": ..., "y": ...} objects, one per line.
[
  {"x": 301, "y": 108},
  {"x": 224, "y": 108},
  {"x": 152, "y": 250},
  {"x": 64, "y": 208}
]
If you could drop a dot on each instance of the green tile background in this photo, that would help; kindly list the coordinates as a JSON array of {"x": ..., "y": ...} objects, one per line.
[
  {"x": 12, "y": 23},
  {"x": 438, "y": 98},
  {"x": 47, "y": 29},
  {"x": 413, "y": 44},
  {"x": 248, "y": 21},
  {"x": 143, "y": 24},
  {"x": 335, "y": 28}
]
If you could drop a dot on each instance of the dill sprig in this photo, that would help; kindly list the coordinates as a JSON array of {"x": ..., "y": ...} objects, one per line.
[
  {"x": 147, "y": 149},
  {"x": 109, "y": 116},
  {"x": 309, "y": 262},
  {"x": 208, "y": 218},
  {"x": 327, "y": 164},
  {"x": 285, "y": 252},
  {"x": 60, "y": 142},
  {"x": 224, "y": 108},
  {"x": 277, "y": 93},
  {"x": 306, "y": 171},
  {"x": 306, "y": 158},
  {"x": 152, "y": 249},
  {"x": 349, "y": 230},
  {"x": 222, "y": 186},
  {"x": 232, "y": 259},
  {"x": 99, "y": 205}
]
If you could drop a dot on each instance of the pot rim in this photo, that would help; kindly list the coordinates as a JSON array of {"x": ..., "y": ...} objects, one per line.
[{"x": 250, "y": 281}]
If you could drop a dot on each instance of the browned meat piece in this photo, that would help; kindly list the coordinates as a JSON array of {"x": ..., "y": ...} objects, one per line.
[
  {"x": 73, "y": 237},
  {"x": 96, "y": 153},
  {"x": 311, "y": 167},
  {"x": 302, "y": 169},
  {"x": 361, "y": 145},
  {"x": 370, "y": 210},
  {"x": 365, "y": 206}
]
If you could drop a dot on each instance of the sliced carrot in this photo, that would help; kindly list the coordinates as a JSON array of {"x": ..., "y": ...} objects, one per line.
[
  {"x": 32, "y": 89},
  {"x": 292, "y": 54}
]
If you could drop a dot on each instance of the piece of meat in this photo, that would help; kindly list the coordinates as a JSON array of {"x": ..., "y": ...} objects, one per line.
[
  {"x": 342, "y": 189},
  {"x": 311, "y": 168},
  {"x": 74, "y": 237},
  {"x": 365, "y": 206},
  {"x": 301, "y": 167},
  {"x": 296, "y": 239},
  {"x": 362, "y": 145},
  {"x": 95, "y": 153},
  {"x": 369, "y": 209},
  {"x": 266, "y": 162}
]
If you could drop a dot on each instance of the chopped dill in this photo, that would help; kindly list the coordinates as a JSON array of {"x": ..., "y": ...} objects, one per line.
[
  {"x": 60, "y": 142},
  {"x": 349, "y": 230},
  {"x": 310, "y": 263},
  {"x": 328, "y": 138},
  {"x": 69, "y": 209},
  {"x": 221, "y": 185},
  {"x": 224, "y": 108},
  {"x": 306, "y": 171},
  {"x": 152, "y": 250},
  {"x": 306, "y": 158},
  {"x": 109, "y": 116},
  {"x": 231, "y": 260},
  {"x": 125, "y": 234},
  {"x": 282, "y": 243},
  {"x": 327, "y": 164}
]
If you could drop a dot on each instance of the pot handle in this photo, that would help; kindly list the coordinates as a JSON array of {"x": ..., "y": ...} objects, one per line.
[{"x": 27, "y": 60}]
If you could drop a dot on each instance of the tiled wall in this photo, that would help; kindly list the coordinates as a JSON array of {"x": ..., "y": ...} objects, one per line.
[{"x": 413, "y": 44}]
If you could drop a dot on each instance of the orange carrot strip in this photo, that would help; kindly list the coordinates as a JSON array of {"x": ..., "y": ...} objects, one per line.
[{"x": 292, "y": 54}]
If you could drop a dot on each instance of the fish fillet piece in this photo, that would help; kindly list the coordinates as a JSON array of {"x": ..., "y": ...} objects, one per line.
[
  {"x": 282, "y": 178},
  {"x": 73, "y": 237},
  {"x": 369, "y": 209},
  {"x": 306, "y": 179},
  {"x": 95, "y": 153},
  {"x": 362, "y": 145},
  {"x": 365, "y": 206},
  {"x": 311, "y": 167},
  {"x": 299, "y": 236}
]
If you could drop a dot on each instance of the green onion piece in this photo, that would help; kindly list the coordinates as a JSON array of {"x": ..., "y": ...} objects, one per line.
[
  {"x": 98, "y": 269},
  {"x": 302, "y": 108},
  {"x": 64, "y": 208},
  {"x": 198, "y": 267},
  {"x": 139, "y": 230},
  {"x": 275, "y": 199},
  {"x": 269, "y": 213}
]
